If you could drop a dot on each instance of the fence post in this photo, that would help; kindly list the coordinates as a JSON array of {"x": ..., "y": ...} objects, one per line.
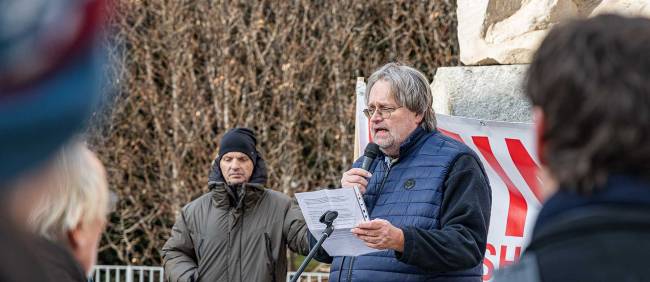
[{"x": 129, "y": 273}]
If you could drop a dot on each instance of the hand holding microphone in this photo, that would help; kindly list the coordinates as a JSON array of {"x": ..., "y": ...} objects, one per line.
[{"x": 359, "y": 176}]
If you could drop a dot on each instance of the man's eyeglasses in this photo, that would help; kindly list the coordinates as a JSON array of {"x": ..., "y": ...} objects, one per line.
[{"x": 384, "y": 113}]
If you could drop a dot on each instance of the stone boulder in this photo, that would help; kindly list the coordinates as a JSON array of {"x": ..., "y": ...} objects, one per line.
[
  {"x": 509, "y": 31},
  {"x": 624, "y": 7},
  {"x": 482, "y": 92}
]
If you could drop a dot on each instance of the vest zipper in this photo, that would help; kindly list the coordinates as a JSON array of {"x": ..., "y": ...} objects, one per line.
[
  {"x": 383, "y": 181},
  {"x": 381, "y": 187},
  {"x": 341, "y": 269},
  {"x": 350, "y": 270}
]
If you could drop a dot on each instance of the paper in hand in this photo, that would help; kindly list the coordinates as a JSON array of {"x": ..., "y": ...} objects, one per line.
[{"x": 351, "y": 208}]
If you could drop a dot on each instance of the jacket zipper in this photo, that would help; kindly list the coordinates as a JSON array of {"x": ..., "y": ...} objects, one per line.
[
  {"x": 381, "y": 187},
  {"x": 269, "y": 254},
  {"x": 383, "y": 181},
  {"x": 228, "y": 253},
  {"x": 350, "y": 270},
  {"x": 231, "y": 241}
]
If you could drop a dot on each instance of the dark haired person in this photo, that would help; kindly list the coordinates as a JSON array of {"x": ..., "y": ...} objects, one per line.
[
  {"x": 239, "y": 231},
  {"x": 590, "y": 89}
]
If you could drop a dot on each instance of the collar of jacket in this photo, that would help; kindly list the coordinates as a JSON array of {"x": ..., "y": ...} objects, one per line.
[
  {"x": 411, "y": 142},
  {"x": 58, "y": 261},
  {"x": 619, "y": 189},
  {"x": 249, "y": 195}
]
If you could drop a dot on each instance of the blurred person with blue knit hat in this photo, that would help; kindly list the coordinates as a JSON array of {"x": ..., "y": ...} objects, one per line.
[{"x": 50, "y": 75}]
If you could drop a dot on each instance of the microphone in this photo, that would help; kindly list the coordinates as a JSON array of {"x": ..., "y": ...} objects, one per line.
[
  {"x": 369, "y": 155},
  {"x": 328, "y": 217}
]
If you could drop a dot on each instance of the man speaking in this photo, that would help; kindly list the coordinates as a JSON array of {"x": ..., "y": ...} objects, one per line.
[{"x": 428, "y": 196}]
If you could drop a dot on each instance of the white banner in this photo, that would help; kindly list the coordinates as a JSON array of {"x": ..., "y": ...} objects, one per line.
[{"x": 507, "y": 152}]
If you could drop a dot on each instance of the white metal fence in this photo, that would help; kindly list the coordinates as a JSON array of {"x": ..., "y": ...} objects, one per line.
[
  {"x": 310, "y": 276},
  {"x": 131, "y": 273},
  {"x": 127, "y": 273}
]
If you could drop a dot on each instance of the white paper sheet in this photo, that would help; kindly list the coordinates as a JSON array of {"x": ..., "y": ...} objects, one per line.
[{"x": 349, "y": 204}]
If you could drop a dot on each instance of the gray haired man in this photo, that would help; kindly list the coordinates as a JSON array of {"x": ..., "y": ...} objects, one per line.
[
  {"x": 72, "y": 213},
  {"x": 428, "y": 196}
]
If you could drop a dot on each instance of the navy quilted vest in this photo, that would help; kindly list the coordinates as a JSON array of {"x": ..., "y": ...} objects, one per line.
[{"x": 409, "y": 193}]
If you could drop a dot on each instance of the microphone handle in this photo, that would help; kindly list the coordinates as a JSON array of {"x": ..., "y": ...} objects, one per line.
[{"x": 366, "y": 163}]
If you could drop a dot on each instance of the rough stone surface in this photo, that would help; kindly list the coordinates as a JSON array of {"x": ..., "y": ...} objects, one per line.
[
  {"x": 509, "y": 31},
  {"x": 483, "y": 92},
  {"x": 624, "y": 7}
]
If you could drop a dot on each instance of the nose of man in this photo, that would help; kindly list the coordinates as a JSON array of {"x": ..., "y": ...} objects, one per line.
[
  {"x": 376, "y": 117},
  {"x": 235, "y": 165}
]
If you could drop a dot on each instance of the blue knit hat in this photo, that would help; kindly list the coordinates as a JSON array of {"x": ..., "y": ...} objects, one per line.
[{"x": 50, "y": 77}]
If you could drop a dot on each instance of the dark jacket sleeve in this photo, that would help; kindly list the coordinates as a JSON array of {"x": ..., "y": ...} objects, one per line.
[
  {"x": 295, "y": 230},
  {"x": 465, "y": 216},
  {"x": 179, "y": 259},
  {"x": 306, "y": 237},
  {"x": 321, "y": 255}
]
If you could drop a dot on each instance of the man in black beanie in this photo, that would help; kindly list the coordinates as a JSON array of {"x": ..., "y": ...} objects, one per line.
[
  {"x": 239, "y": 231},
  {"x": 237, "y": 158},
  {"x": 239, "y": 140}
]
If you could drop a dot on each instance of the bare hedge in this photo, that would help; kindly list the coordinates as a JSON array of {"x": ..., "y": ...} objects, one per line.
[{"x": 187, "y": 71}]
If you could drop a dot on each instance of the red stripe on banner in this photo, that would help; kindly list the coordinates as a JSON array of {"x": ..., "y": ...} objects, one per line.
[
  {"x": 525, "y": 164},
  {"x": 518, "y": 207},
  {"x": 451, "y": 134}
]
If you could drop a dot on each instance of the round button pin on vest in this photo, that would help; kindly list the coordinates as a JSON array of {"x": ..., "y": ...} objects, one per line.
[{"x": 410, "y": 183}]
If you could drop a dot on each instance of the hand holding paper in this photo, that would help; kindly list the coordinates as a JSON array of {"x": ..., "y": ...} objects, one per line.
[
  {"x": 380, "y": 234},
  {"x": 351, "y": 209}
]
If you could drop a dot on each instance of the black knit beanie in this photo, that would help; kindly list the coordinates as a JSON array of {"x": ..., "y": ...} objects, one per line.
[{"x": 239, "y": 140}]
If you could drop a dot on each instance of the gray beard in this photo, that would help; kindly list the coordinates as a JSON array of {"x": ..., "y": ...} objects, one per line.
[{"x": 384, "y": 147}]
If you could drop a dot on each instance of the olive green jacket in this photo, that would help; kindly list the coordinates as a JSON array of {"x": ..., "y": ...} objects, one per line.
[{"x": 217, "y": 239}]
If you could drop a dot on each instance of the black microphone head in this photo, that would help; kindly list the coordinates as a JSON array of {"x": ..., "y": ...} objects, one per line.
[
  {"x": 372, "y": 150},
  {"x": 328, "y": 217}
]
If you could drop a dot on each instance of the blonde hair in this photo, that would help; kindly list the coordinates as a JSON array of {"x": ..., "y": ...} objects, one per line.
[{"x": 78, "y": 194}]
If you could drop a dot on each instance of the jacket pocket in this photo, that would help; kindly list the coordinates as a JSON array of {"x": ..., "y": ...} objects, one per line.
[
  {"x": 198, "y": 250},
  {"x": 196, "y": 240},
  {"x": 269, "y": 255}
]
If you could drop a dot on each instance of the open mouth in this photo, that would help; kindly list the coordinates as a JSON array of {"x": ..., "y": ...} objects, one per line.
[{"x": 381, "y": 130}]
